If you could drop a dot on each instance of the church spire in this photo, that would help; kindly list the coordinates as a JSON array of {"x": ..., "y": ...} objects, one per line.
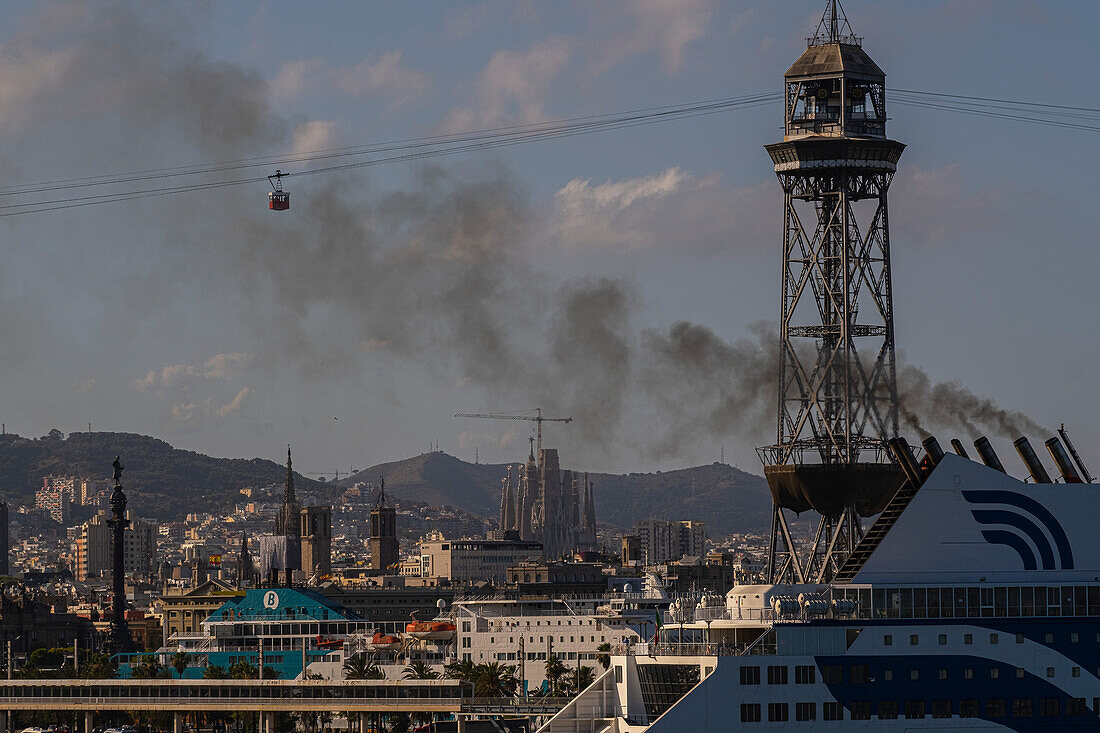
[{"x": 288, "y": 491}]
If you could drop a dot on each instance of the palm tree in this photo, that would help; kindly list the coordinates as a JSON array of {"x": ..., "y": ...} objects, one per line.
[
  {"x": 495, "y": 680},
  {"x": 555, "y": 670},
  {"x": 579, "y": 679},
  {"x": 179, "y": 662},
  {"x": 604, "y": 657},
  {"x": 359, "y": 667},
  {"x": 464, "y": 670},
  {"x": 149, "y": 669},
  {"x": 215, "y": 672},
  {"x": 420, "y": 670}
]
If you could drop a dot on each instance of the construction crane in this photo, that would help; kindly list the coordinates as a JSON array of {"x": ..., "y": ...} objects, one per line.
[{"x": 537, "y": 418}]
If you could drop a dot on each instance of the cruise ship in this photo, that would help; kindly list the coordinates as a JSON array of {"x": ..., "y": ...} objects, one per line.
[{"x": 977, "y": 607}]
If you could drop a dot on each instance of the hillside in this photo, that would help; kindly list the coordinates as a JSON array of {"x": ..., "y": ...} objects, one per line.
[
  {"x": 727, "y": 499},
  {"x": 161, "y": 481}
]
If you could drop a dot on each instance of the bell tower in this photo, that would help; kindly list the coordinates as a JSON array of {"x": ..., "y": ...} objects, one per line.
[{"x": 838, "y": 400}]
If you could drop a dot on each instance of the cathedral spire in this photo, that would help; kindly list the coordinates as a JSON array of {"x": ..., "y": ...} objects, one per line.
[{"x": 288, "y": 491}]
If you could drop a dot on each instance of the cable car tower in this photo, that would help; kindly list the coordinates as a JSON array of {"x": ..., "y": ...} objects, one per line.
[{"x": 838, "y": 401}]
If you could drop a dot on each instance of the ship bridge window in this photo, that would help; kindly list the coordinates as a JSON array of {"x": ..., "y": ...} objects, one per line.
[
  {"x": 914, "y": 709},
  {"x": 888, "y": 710},
  {"x": 968, "y": 708},
  {"x": 832, "y": 711},
  {"x": 941, "y": 708},
  {"x": 805, "y": 711},
  {"x": 750, "y": 712},
  {"x": 1022, "y": 707},
  {"x": 778, "y": 712},
  {"x": 995, "y": 708}
]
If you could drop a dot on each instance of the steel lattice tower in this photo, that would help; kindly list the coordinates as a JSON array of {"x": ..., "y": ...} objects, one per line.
[{"x": 837, "y": 385}]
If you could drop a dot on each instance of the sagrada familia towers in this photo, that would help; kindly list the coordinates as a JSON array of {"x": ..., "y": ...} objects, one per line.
[{"x": 541, "y": 502}]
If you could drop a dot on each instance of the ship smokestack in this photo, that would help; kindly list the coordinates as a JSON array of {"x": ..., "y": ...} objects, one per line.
[
  {"x": 957, "y": 445},
  {"x": 932, "y": 448},
  {"x": 1027, "y": 453},
  {"x": 1073, "y": 452},
  {"x": 1062, "y": 460},
  {"x": 904, "y": 456},
  {"x": 988, "y": 455}
]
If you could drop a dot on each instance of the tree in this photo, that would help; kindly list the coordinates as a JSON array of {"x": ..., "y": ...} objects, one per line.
[
  {"x": 179, "y": 663},
  {"x": 463, "y": 670},
  {"x": 215, "y": 672},
  {"x": 495, "y": 680},
  {"x": 420, "y": 670},
  {"x": 242, "y": 671},
  {"x": 555, "y": 670},
  {"x": 604, "y": 656},
  {"x": 97, "y": 666},
  {"x": 359, "y": 667},
  {"x": 579, "y": 679},
  {"x": 148, "y": 669}
]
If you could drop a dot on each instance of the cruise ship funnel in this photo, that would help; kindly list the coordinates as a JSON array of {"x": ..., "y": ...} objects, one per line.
[
  {"x": 988, "y": 455},
  {"x": 1062, "y": 460},
  {"x": 1031, "y": 460}
]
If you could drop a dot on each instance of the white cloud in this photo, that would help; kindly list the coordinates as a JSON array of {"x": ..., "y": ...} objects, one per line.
[
  {"x": 666, "y": 27},
  {"x": 670, "y": 206},
  {"x": 234, "y": 404},
  {"x": 513, "y": 86},
  {"x": 295, "y": 77},
  {"x": 382, "y": 76},
  {"x": 313, "y": 135},
  {"x": 186, "y": 388}
]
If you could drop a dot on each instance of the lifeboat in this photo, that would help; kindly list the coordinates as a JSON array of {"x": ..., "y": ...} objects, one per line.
[
  {"x": 431, "y": 630},
  {"x": 384, "y": 642}
]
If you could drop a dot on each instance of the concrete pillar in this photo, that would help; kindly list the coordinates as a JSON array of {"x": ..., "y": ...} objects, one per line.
[
  {"x": 3, "y": 720},
  {"x": 177, "y": 723},
  {"x": 89, "y": 721}
]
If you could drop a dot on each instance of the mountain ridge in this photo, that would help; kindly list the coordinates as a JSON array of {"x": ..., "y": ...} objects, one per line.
[{"x": 725, "y": 498}]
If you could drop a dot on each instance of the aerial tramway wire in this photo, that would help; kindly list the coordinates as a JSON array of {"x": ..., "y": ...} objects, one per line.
[
  {"x": 594, "y": 123},
  {"x": 544, "y": 133},
  {"x": 506, "y": 136}
]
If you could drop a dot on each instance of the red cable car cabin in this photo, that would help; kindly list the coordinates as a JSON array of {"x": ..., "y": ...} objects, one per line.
[{"x": 278, "y": 199}]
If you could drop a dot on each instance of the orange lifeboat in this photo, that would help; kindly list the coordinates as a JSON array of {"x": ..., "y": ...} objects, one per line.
[
  {"x": 431, "y": 630},
  {"x": 384, "y": 642}
]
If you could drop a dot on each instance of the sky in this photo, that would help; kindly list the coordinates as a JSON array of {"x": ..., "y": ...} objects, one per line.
[{"x": 628, "y": 279}]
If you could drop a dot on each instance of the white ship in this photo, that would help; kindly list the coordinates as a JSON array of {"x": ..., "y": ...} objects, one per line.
[{"x": 978, "y": 609}]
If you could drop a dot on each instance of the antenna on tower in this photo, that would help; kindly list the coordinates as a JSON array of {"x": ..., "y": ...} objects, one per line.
[{"x": 834, "y": 27}]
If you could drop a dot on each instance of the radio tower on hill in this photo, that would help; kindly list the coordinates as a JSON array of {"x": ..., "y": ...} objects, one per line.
[{"x": 837, "y": 387}]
